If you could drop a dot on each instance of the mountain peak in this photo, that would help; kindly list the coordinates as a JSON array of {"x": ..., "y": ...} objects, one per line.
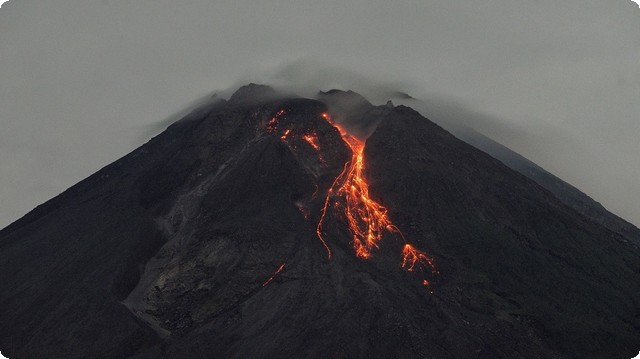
[
  {"x": 347, "y": 103},
  {"x": 252, "y": 93}
]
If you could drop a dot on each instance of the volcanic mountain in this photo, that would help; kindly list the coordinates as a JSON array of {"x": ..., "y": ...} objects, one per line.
[{"x": 267, "y": 226}]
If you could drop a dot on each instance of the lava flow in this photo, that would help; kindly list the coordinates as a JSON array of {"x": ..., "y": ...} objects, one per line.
[
  {"x": 367, "y": 219},
  {"x": 274, "y": 275},
  {"x": 349, "y": 195},
  {"x": 312, "y": 139},
  {"x": 412, "y": 257}
]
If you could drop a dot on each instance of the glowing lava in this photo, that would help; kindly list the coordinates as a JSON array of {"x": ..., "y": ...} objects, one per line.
[
  {"x": 348, "y": 195},
  {"x": 285, "y": 134},
  {"x": 280, "y": 269},
  {"x": 274, "y": 122},
  {"x": 366, "y": 218},
  {"x": 413, "y": 258},
  {"x": 312, "y": 139}
]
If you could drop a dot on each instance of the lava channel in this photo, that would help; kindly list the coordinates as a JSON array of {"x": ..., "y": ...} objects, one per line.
[
  {"x": 367, "y": 219},
  {"x": 280, "y": 269}
]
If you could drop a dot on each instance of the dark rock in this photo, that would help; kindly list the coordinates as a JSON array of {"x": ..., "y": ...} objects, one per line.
[{"x": 565, "y": 192}]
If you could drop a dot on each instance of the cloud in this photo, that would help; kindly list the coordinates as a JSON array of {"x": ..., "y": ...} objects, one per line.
[{"x": 82, "y": 83}]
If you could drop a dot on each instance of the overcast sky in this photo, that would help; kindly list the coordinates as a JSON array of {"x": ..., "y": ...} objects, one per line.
[{"x": 83, "y": 82}]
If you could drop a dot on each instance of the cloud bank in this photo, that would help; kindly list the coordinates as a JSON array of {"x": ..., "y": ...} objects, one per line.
[{"x": 83, "y": 83}]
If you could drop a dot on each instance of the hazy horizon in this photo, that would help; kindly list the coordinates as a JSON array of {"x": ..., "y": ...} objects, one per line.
[{"x": 84, "y": 83}]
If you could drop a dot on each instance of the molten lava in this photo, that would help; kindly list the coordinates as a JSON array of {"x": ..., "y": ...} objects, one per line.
[
  {"x": 348, "y": 195},
  {"x": 274, "y": 122},
  {"x": 412, "y": 258},
  {"x": 366, "y": 218},
  {"x": 285, "y": 134},
  {"x": 280, "y": 269},
  {"x": 312, "y": 139}
]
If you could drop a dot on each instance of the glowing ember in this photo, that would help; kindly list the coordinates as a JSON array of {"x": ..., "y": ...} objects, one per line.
[
  {"x": 412, "y": 257},
  {"x": 272, "y": 125},
  {"x": 312, "y": 139},
  {"x": 285, "y": 134},
  {"x": 280, "y": 269},
  {"x": 326, "y": 206}
]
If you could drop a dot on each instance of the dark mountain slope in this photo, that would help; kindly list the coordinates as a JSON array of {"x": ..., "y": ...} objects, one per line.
[
  {"x": 461, "y": 121},
  {"x": 568, "y": 194},
  {"x": 513, "y": 243},
  {"x": 203, "y": 243},
  {"x": 66, "y": 264}
]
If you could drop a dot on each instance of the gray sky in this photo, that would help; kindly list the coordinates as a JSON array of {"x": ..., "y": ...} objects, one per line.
[{"x": 83, "y": 82}]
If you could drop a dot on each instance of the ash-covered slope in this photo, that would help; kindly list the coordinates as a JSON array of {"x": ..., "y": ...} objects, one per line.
[
  {"x": 205, "y": 243},
  {"x": 463, "y": 122},
  {"x": 568, "y": 194}
]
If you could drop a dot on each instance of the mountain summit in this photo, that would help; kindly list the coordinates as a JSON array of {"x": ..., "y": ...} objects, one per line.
[{"x": 266, "y": 226}]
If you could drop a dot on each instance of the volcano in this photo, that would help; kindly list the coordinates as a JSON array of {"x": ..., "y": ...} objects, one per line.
[{"x": 271, "y": 226}]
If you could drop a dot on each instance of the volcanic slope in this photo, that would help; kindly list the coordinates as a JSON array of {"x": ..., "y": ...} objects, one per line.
[
  {"x": 205, "y": 243},
  {"x": 568, "y": 194}
]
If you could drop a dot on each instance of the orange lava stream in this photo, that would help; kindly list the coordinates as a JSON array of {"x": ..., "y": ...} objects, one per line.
[
  {"x": 280, "y": 269},
  {"x": 349, "y": 194},
  {"x": 367, "y": 219},
  {"x": 312, "y": 139},
  {"x": 326, "y": 206},
  {"x": 412, "y": 257}
]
